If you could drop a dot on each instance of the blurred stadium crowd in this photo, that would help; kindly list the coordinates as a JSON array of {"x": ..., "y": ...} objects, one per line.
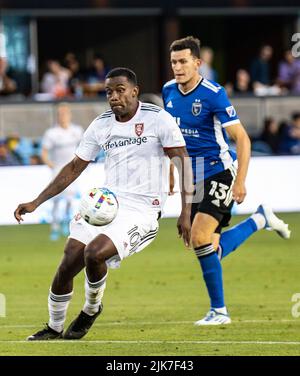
[{"x": 69, "y": 79}]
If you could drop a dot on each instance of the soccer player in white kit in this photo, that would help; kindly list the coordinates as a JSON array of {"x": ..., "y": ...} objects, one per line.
[
  {"x": 136, "y": 138},
  {"x": 58, "y": 146}
]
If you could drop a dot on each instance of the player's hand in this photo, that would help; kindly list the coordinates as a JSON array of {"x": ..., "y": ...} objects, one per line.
[
  {"x": 22, "y": 209},
  {"x": 184, "y": 228},
  {"x": 239, "y": 192}
]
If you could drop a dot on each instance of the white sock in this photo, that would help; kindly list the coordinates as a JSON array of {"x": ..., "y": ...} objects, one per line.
[
  {"x": 57, "y": 306},
  {"x": 259, "y": 220},
  {"x": 222, "y": 310},
  {"x": 93, "y": 295}
]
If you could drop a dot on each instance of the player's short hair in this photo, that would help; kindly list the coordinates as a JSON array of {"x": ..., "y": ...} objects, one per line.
[
  {"x": 295, "y": 116},
  {"x": 189, "y": 42},
  {"x": 123, "y": 72}
]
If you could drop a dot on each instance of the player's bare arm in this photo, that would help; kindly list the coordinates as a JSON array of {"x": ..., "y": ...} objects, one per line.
[
  {"x": 65, "y": 177},
  {"x": 45, "y": 158},
  {"x": 171, "y": 180},
  {"x": 181, "y": 160},
  {"x": 243, "y": 148}
]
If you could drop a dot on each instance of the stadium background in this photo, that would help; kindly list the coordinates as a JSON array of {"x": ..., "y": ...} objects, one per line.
[{"x": 138, "y": 36}]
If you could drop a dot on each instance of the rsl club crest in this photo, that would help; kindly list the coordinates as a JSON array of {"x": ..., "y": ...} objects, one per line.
[
  {"x": 139, "y": 129},
  {"x": 196, "y": 107}
]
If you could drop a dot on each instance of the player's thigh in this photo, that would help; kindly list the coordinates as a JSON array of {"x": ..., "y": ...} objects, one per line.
[{"x": 203, "y": 228}]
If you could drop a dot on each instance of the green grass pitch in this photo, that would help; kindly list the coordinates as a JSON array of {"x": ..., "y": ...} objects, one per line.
[{"x": 151, "y": 302}]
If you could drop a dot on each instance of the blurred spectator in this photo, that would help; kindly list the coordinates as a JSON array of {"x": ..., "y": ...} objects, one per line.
[
  {"x": 76, "y": 75},
  {"x": 58, "y": 148},
  {"x": 35, "y": 159},
  {"x": 290, "y": 140},
  {"x": 242, "y": 84},
  {"x": 6, "y": 157},
  {"x": 270, "y": 135},
  {"x": 206, "y": 70},
  {"x": 260, "y": 73},
  {"x": 94, "y": 84},
  {"x": 7, "y": 84},
  {"x": 20, "y": 147},
  {"x": 55, "y": 81},
  {"x": 260, "y": 67},
  {"x": 289, "y": 73}
]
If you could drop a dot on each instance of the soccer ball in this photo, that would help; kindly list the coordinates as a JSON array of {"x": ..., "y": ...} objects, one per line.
[{"x": 99, "y": 206}]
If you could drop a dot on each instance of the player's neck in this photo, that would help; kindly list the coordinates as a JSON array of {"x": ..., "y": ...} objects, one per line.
[
  {"x": 64, "y": 125},
  {"x": 190, "y": 85}
]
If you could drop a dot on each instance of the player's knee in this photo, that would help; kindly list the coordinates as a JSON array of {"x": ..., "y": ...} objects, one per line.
[
  {"x": 93, "y": 256},
  {"x": 200, "y": 238},
  {"x": 65, "y": 266}
]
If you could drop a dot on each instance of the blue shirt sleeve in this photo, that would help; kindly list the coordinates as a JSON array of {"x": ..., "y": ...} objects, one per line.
[{"x": 224, "y": 110}]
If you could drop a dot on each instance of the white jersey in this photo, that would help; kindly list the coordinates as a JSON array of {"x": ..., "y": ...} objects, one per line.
[
  {"x": 61, "y": 143},
  {"x": 136, "y": 167}
]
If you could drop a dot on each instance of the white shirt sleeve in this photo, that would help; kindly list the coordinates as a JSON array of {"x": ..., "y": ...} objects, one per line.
[
  {"x": 89, "y": 146},
  {"x": 168, "y": 131}
]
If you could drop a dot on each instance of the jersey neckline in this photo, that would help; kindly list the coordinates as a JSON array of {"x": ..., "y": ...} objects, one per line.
[{"x": 193, "y": 89}]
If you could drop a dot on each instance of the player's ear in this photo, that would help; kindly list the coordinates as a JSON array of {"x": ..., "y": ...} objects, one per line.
[{"x": 135, "y": 91}]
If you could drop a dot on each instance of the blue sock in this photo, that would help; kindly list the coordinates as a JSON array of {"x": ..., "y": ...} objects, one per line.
[
  {"x": 233, "y": 238},
  {"x": 212, "y": 274}
]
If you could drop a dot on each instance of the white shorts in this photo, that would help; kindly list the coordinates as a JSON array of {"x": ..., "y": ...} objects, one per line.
[{"x": 131, "y": 231}]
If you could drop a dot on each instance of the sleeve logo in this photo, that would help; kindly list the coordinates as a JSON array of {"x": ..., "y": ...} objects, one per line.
[{"x": 231, "y": 111}]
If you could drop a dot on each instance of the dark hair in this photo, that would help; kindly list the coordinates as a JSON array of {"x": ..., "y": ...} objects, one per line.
[
  {"x": 124, "y": 72},
  {"x": 295, "y": 116},
  {"x": 187, "y": 43},
  {"x": 267, "y": 123},
  {"x": 98, "y": 56}
]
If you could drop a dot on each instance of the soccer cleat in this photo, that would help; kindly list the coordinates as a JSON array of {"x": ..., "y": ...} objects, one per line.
[
  {"x": 81, "y": 325},
  {"x": 214, "y": 318},
  {"x": 273, "y": 222},
  {"x": 45, "y": 334}
]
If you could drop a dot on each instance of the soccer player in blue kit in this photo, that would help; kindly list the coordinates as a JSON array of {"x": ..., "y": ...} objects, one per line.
[{"x": 205, "y": 116}]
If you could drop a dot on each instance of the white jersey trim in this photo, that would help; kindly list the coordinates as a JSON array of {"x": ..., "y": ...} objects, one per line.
[
  {"x": 231, "y": 122},
  {"x": 170, "y": 82},
  {"x": 210, "y": 87},
  {"x": 208, "y": 83},
  {"x": 224, "y": 154},
  {"x": 83, "y": 158}
]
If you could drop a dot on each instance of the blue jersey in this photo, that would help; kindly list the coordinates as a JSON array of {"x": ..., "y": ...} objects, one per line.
[{"x": 202, "y": 115}]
